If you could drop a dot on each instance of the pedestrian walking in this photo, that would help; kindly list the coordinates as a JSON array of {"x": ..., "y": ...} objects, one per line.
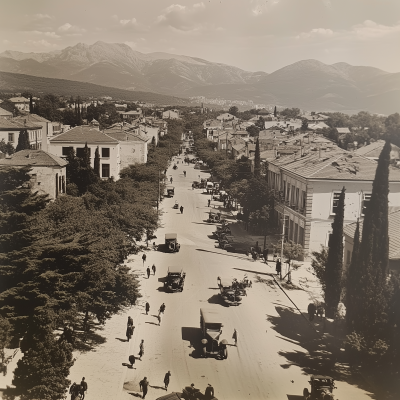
[
  {"x": 192, "y": 186},
  {"x": 141, "y": 350},
  {"x": 148, "y": 272},
  {"x": 84, "y": 387},
  {"x": 209, "y": 393},
  {"x": 209, "y": 202},
  {"x": 171, "y": 179},
  {"x": 74, "y": 391},
  {"x": 311, "y": 311},
  {"x": 162, "y": 309},
  {"x": 129, "y": 332},
  {"x": 147, "y": 307},
  {"x": 235, "y": 336},
  {"x": 144, "y": 258},
  {"x": 144, "y": 384},
  {"x": 184, "y": 174},
  {"x": 130, "y": 321},
  {"x": 181, "y": 209},
  {"x": 166, "y": 379},
  {"x": 278, "y": 267},
  {"x": 265, "y": 254},
  {"x": 154, "y": 269},
  {"x": 132, "y": 360}
]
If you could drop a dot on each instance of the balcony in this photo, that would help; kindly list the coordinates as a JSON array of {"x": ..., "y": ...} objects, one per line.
[{"x": 293, "y": 207}]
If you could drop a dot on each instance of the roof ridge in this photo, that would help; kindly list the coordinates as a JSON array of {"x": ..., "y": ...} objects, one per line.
[{"x": 330, "y": 161}]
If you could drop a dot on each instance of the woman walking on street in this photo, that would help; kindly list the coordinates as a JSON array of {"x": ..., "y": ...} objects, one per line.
[{"x": 166, "y": 379}]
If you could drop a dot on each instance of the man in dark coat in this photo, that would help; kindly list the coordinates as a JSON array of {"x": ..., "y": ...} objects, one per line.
[
  {"x": 74, "y": 391},
  {"x": 162, "y": 309},
  {"x": 144, "y": 258},
  {"x": 129, "y": 332},
  {"x": 166, "y": 379},
  {"x": 141, "y": 350},
  {"x": 148, "y": 272},
  {"x": 84, "y": 387},
  {"x": 279, "y": 267},
  {"x": 154, "y": 269},
  {"x": 132, "y": 360},
  {"x": 311, "y": 311},
  {"x": 144, "y": 384},
  {"x": 147, "y": 308},
  {"x": 209, "y": 393}
]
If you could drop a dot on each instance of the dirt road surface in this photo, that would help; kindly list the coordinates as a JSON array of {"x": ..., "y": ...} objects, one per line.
[{"x": 273, "y": 357}]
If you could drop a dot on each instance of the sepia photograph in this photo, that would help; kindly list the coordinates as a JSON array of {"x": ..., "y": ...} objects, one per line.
[{"x": 200, "y": 200}]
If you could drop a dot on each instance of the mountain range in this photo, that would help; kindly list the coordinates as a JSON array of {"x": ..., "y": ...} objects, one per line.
[{"x": 307, "y": 84}]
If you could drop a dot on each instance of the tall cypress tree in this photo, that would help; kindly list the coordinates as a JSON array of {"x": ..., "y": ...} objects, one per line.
[
  {"x": 97, "y": 162},
  {"x": 353, "y": 280},
  {"x": 23, "y": 141},
  {"x": 86, "y": 157},
  {"x": 371, "y": 313},
  {"x": 275, "y": 113},
  {"x": 257, "y": 160},
  {"x": 334, "y": 263}
]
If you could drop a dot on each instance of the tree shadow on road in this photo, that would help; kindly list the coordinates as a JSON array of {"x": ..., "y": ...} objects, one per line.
[
  {"x": 88, "y": 342},
  {"x": 321, "y": 353}
]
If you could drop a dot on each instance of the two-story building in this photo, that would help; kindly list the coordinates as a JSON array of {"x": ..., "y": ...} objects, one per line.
[
  {"x": 77, "y": 137},
  {"x": 212, "y": 127},
  {"x": 309, "y": 184},
  {"x": 21, "y": 103},
  {"x": 171, "y": 114},
  {"x": 11, "y": 128},
  {"x": 48, "y": 172}
]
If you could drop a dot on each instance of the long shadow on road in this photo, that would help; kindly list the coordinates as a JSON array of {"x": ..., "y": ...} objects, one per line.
[
  {"x": 223, "y": 254},
  {"x": 320, "y": 355}
]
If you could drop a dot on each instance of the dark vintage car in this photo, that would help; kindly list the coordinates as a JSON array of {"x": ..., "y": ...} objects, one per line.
[
  {"x": 192, "y": 393},
  {"x": 230, "y": 293},
  {"x": 211, "y": 329},
  {"x": 321, "y": 388},
  {"x": 171, "y": 243},
  {"x": 170, "y": 191},
  {"x": 175, "y": 279}
]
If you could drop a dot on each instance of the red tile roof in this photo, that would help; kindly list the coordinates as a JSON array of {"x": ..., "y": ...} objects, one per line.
[
  {"x": 83, "y": 134},
  {"x": 34, "y": 158}
]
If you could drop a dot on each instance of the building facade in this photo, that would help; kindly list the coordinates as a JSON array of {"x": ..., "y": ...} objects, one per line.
[{"x": 10, "y": 130}]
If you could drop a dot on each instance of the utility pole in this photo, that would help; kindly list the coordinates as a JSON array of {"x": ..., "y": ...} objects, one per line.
[{"x": 159, "y": 194}]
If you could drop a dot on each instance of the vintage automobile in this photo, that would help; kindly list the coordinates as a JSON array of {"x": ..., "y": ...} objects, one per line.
[
  {"x": 230, "y": 296},
  {"x": 211, "y": 329},
  {"x": 209, "y": 187},
  {"x": 176, "y": 205},
  {"x": 171, "y": 396},
  {"x": 175, "y": 280},
  {"x": 171, "y": 242},
  {"x": 192, "y": 393},
  {"x": 170, "y": 191},
  {"x": 321, "y": 388}
]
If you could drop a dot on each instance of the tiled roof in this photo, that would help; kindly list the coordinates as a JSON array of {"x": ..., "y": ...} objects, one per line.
[
  {"x": 239, "y": 146},
  {"x": 343, "y": 130},
  {"x": 33, "y": 118},
  {"x": 374, "y": 149},
  {"x": 34, "y": 158},
  {"x": 394, "y": 233},
  {"x": 336, "y": 164},
  {"x": 18, "y": 99},
  {"x": 319, "y": 125},
  {"x": 123, "y": 135},
  {"x": 5, "y": 113},
  {"x": 13, "y": 125},
  {"x": 83, "y": 134}
]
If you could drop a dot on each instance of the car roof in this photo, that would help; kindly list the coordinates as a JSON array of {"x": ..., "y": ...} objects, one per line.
[
  {"x": 171, "y": 396},
  {"x": 321, "y": 377},
  {"x": 171, "y": 236},
  {"x": 174, "y": 270},
  {"x": 210, "y": 316}
]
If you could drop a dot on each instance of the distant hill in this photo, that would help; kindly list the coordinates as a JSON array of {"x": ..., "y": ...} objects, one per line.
[
  {"x": 307, "y": 84},
  {"x": 10, "y": 82}
]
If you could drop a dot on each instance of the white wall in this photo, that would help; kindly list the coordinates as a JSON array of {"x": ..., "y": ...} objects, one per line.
[
  {"x": 133, "y": 153},
  {"x": 44, "y": 180}
]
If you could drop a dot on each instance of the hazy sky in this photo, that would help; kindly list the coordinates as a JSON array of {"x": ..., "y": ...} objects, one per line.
[{"x": 251, "y": 34}]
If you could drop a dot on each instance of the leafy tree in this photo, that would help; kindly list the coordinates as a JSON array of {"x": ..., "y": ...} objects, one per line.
[
  {"x": 6, "y": 148},
  {"x": 5, "y": 338},
  {"x": 334, "y": 263},
  {"x": 23, "y": 141},
  {"x": 371, "y": 312},
  {"x": 233, "y": 110},
  {"x": 304, "y": 125},
  {"x": 290, "y": 112},
  {"x": 353, "y": 279},
  {"x": 257, "y": 160},
  {"x": 97, "y": 162},
  {"x": 253, "y": 130},
  {"x": 43, "y": 370},
  {"x": 260, "y": 123}
]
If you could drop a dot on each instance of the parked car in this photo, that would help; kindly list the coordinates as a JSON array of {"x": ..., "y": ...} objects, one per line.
[
  {"x": 230, "y": 296},
  {"x": 211, "y": 329},
  {"x": 321, "y": 388},
  {"x": 175, "y": 279},
  {"x": 170, "y": 191},
  {"x": 171, "y": 242}
]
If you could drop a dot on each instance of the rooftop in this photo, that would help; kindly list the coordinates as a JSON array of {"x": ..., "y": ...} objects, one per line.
[
  {"x": 34, "y": 158},
  {"x": 335, "y": 164},
  {"x": 373, "y": 150},
  {"x": 5, "y": 113},
  {"x": 124, "y": 135},
  {"x": 18, "y": 100},
  {"x": 394, "y": 233},
  {"x": 343, "y": 130},
  {"x": 83, "y": 134},
  {"x": 33, "y": 118},
  {"x": 7, "y": 124}
]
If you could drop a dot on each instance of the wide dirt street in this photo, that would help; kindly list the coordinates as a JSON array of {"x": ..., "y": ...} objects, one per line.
[{"x": 271, "y": 360}]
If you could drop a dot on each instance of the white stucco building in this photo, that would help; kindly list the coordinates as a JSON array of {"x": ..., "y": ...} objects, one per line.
[{"x": 11, "y": 128}]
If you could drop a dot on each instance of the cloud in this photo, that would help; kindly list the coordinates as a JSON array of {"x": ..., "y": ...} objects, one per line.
[
  {"x": 72, "y": 30},
  {"x": 126, "y": 22},
  {"x": 42, "y": 16},
  {"x": 181, "y": 18},
  {"x": 40, "y": 43},
  {"x": 131, "y": 44},
  {"x": 370, "y": 30},
  {"x": 316, "y": 33},
  {"x": 48, "y": 34}
]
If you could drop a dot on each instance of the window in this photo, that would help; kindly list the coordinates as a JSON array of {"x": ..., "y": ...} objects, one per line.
[
  {"x": 66, "y": 150},
  {"x": 297, "y": 197},
  {"x": 105, "y": 152},
  {"x": 105, "y": 170},
  {"x": 284, "y": 190},
  {"x": 288, "y": 193},
  {"x": 335, "y": 202},
  {"x": 79, "y": 151},
  {"x": 291, "y": 231},
  {"x": 366, "y": 200},
  {"x": 296, "y": 230},
  {"x": 11, "y": 137},
  {"x": 304, "y": 200},
  {"x": 292, "y": 202},
  {"x": 348, "y": 258},
  {"x": 301, "y": 236}
]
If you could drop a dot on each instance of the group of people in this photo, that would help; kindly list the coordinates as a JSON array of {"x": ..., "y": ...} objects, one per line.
[
  {"x": 161, "y": 310},
  {"x": 208, "y": 394},
  {"x": 144, "y": 384},
  {"x": 78, "y": 391},
  {"x": 153, "y": 268}
]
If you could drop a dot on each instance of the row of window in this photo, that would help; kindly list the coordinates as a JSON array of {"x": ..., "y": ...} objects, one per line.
[
  {"x": 335, "y": 202},
  {"x": 105, "y": 151}
]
